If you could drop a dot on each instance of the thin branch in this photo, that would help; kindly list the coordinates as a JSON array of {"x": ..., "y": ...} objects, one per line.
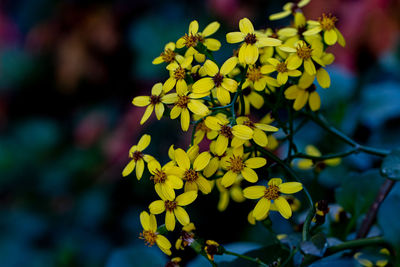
[{"x": 255, "y": 260}]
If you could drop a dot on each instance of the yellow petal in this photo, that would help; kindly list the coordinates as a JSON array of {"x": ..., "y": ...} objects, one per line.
[
  {"x": 251, "y": 54},
  {"x": 266, "y": 127},
  {"x": 197, "y": 107},
  {"x": 229, "y": 65},
  {"x": 145, "y": 220},
  {"x": 169, "y": 99},
  {"x": 312, "y": 151},
  {"x": 203, "y": 85},
  {"x": 213, "y": 123},
  {"x": 260, "y": 138},
  {"x": 157, "y": 89},
  {"x": 212, "y": 44},
  {"x": 332, "y": 162},
  {"x": 147, "y": 114},
  {"x": 157, "y": 207},
  {"x": 129, "y": 168},
  {"x": 290, "y": 187},
  {"x": 330, "y": 37},
  {"x": 282, "y": 78},
  {"x": 309, "y": 67},
  {"x": 167, "y": 191},
  {"x": 203, "y": 184},
  {"x": 242, "y": 131},
  {"x": 301, "y": 100},
  {"x": 182, "y": 159},
  {"x": 154, "y": 166},
  {"x": 249, "y": 174},
  {"x": 141, "y": 101},
  {"x": 261, "y": 209},
  {"x": 186, "y": 198},
  {"x": 266, "y": 69},
  {"x": 163, "y": 242},
  {"x": 159, "y": 108},
  {"x": 182, "y": 215},
  {"x": 143, "y": 142},
  {"x": 211, "y": 68},
  {"x": 193, "y": 27},
  {"x": 175, "y": 182},
  {"x": 299, "y": 20},
  {"x": 181, "y": 87},
  {"x": 256, "y": 162},
  {"x": 235, "y": 37},
  {"x": 229, "y": 84},
  {"x": 306, "y": 80},
  {"x": 305, "y": 164},
  {"x": 221, "y": 145},
  {"x": 185, "y": 119},
  {"x": 312, "y": 31},
  {"x": 223, "y": 96},
  {"x": 223, "y": 201},
  {"x": 169, "y": 84},
  {"x": 139, "y": 168},
  {"x": 190, "y": 186},
  {"x": 287, "y": 32},
  {"x": 157, "y": 60},
  {"x": 294, "y": 62},
  {"x": 323, "y": 78},
  {"x": 170, "y": 220},
  {"x": 229, "y": 178},
  {"x": 254, "y": 192},
  {"x": 314, "y": 101},
  {"x": 175, "y": 112},
  {"x": 283, "y": 207},
  {"x": 280, "y": 15},
  {"x": 275, "y": 181},
  {"x": 267, "y": 41},
  {"x": 201, "y": 161},
  {"x": 340, "y": 38},
  {"x": 246, "y": 26},
  {"x": 211, "y": 29},
  {"x": 180, "y": 43},
  {"x": 211, "y": 168}
]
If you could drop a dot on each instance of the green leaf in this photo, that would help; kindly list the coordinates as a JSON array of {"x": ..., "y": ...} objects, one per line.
[
  {"x": 358, "y": 191},
  {"x": 316, "y": 246},
  {"x": 389, "y": 221},
  {"x": 391, "y": 165}
]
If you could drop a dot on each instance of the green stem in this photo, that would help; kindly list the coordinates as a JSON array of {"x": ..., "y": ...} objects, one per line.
[
  {"x": 255, "y": 260},
  {"x": 358, "y": 243},
  {"x": 321, "y": 121},
  {"x": 328, "y": 156}
]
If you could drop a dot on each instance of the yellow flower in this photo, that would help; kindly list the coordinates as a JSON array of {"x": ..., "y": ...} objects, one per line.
[
  {"x": 234, "y": 192},
  {"x": 251, "y": 98},
  {"x": 238, "y": 133},
  {"x": 383, "y": 261},
  {"x": 248, "y": 52},
  {"x": 297, "y": 30},
  {"x": 303, "y": 92},
  {"x": 288, "y": 9},
  {"x": 174, "y": 262},
  {"x": 238, "y": 167},
  {"x": 272, "y": 193},
  {"x": 212, "y": 248},
  {"x": 216, "y": 161},
  {"x": 307, "y": 164},
  {"x": 164, "y": 184},
  {"x": 202, "y": 130},
  {"x": 189, "y": 170},
  {"x": 178, "y": 75},
  {"x": 186, "y": 238},
  {"x": 259, "y": 130},
  {"x": 168, "y": 55},
  {"x": 154, "y": 102},
  {"x": 150, "y": 235},
  {"x": 255, "y": 78},
  {"x": 138, "y": 158},
  {"x": 183, "y": 104},
  {"x": 326, "y": 23},
  {"x": 306, "y": 54},
  {"x": 282, "y": 68},
  {"x": 173, "y": 208},
  {"x": 217, "y": 80},
  {"x": 191, "y": 39}
]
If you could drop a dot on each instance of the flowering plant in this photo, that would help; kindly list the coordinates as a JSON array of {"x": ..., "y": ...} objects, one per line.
[{"x": 235, "y": 111}]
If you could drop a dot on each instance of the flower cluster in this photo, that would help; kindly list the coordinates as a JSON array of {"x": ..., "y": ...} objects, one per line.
[{"x": 225, "y": 103}]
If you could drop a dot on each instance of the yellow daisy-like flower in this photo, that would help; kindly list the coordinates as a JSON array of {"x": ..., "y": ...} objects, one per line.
[
  {"x": 164, "y": 184},
  {"x": 248, "y": 52},
  {"x": 259, "y": 129},
  {"x": 217, "y": 80},
  {"x": 183, "y": 104},
  {"x": 202, "y": 131},
  {"x": 150, "y": 235},
  {"x": 237, "y": 167},
  {"x": 288, "y": 9},
  {"x": 173, "y": 208},
  {"x": 189, "y": 170},
  {"x": 154, "y": 102},
  {"x": 306, "y": 55},
  {"x": 238, "y": 133},
  {"x": 272, "y": 193},
  {"x": 307, "y": 164},
  {"x": 225, "y": 194},
  {"x": 305, "y": 91},
  {"x": 168, "y": 55},
  {"x": 259, "y": 81},
  {"x": 193, "y": 37},
  {"x": 138, "y": 158},
  {"x": 178, "y": 75},
  {"x": 326, "y": 23},
  {"x": 282, "y": 68}
]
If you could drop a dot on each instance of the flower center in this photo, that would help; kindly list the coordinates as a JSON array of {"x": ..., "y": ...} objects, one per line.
[
  {"x": 249, "y": 123},
  {"x": 250, "y": 38},
  {"x": 168, "y": 55},
  {"x": 304, "y": 51},
  {"x": 154, "y": 99},
  {"x": 226, "y": 131},
  {"x": 281, "y": 67},
  {"x": 179, "y": 73},
  {"x": 190, "y": 175},
  {"x": 170, "y": 205},
  {"x": 271, "y": 192},
  {"x": 190, "y": 40},
  {"x": 149, "y": 237},
  {"x": 327, "y": 21},
  {"x": 254, "y": 74},
  {"x": 202, "y": 127},
  {"x": 159, "y": 177},
  {"x": 182, "y": 101},
  {"x": 218, "y": 79},
  {"x": 236, "y": 164},
  {"x": 137, "y": 155}
]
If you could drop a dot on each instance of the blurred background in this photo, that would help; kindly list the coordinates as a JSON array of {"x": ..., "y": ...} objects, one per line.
[{"x": 68, "y": 73}]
